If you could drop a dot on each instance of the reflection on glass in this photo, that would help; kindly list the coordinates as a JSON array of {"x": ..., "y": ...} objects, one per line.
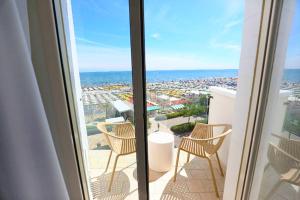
[{"x": 278, "y": 172}]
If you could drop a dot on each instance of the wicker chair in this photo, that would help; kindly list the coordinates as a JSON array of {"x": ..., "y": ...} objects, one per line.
[
  {"x": 291, "y": 146},
  {"x": 121, "y": 141},
  {"x": 284, "y": 158},
  {"x": 204, "y": 144}
]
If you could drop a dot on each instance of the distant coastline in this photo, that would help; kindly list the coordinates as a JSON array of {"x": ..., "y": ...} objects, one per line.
[{"x": 91, "y": 79}]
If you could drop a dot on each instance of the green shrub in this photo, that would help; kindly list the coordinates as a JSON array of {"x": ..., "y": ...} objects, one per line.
[
  {"x": 174, "y": 115},
  {"x": 91, "y": 130},
  {"x": 292, "y": 126},
  {"x": 183, "y": 128},
  {"x": 186, "y": 127}
]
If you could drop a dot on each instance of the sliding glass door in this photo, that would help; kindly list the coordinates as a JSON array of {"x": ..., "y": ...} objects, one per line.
[
  {"x": 277, "y": 165},
  {"x": 191, "y": 78},
  {"x": 118, "y": 116},
  {"x": 104, "y": 72},
  {"x": 114, "y": 109}
]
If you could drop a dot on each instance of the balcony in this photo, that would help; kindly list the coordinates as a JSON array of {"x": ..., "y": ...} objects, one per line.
[{"x": 194, "y": 180}]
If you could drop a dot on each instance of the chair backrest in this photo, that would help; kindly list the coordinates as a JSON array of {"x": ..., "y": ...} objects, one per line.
[
  {"x": 102, "y": 128},
  {"x": 206, "y": 131},
  {"x": 202, "y": 131},
  {"x": 280, "y": 160},
  {"x": 285, "y": 155},
  {"x": 290, "y": 146},
  {"x": 121, "y": 141},
  {"x": 124, "y": 130}
]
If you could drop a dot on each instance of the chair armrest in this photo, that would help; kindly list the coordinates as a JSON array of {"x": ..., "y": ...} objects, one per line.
[
  {"x": 279, "y": 136},
  {"x": 209, "y": 139},
  {"x": 101, "y": 126},
  {"x": 120, "y": 137},
  {"x": 282, "y": 137}
]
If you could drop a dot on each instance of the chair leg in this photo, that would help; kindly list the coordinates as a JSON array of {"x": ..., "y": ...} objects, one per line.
[
  {"x": 176, "y": 165},
  {"x": 188, "y": 158},
  {"x": 221, "y": 170},
  {"x": 113, "y": 173},
  {"x": 213, "y": 177},
  {"x": 108, "y": 161}
]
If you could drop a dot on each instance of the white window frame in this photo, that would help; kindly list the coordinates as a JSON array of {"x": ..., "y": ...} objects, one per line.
[
  {"x": 56, "y": 13},
  {"x": 66, "y": 36},
  {"x": 270, "y": 17}
]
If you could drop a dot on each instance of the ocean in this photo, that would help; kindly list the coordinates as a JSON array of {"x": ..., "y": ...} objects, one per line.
[{"x": 90, "y": 79}]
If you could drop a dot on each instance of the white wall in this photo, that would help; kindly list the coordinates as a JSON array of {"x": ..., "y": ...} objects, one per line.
[
  {"x": 245, "y": 79},
  {"x": 221, "y": 111}
]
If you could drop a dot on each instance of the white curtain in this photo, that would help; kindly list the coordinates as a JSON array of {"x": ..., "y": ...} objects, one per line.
[{"x": 29, "y": 167}]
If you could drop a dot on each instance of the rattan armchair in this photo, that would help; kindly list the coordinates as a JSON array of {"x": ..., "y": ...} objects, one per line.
[
  {"x": 204, "y": 144},
  {"x": 284, "y": 158},
  {"x": 121, "y": 141}
]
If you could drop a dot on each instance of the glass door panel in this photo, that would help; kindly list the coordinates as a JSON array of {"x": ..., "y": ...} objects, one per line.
[
  {"x": 188, "y": 63},
  {"x": 277, "y": 170},
  {"x": 102, "y": 40}
]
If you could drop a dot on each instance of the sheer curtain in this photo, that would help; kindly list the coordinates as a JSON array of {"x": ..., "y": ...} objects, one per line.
[{"x": 29, "y": 167}]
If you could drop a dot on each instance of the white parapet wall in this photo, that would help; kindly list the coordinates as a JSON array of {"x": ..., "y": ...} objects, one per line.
[{"x": 221, "y": 110}]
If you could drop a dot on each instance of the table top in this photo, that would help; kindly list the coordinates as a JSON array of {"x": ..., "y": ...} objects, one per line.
[
  {"x": 161, "y": 137},
  {"x": 115, "y": 120}
]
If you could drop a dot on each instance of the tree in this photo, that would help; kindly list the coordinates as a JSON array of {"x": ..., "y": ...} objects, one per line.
[
  {"x": 194, "y": 110},
  {"x": 203, "y": 100}
]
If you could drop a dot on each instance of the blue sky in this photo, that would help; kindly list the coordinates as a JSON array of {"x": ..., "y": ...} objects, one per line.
[
  {"x": 293, "y": 50},
  {"x": 190, "y": 34}
]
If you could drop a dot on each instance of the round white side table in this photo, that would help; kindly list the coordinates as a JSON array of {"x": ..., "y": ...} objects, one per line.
[{"x": 160, "y": 151}]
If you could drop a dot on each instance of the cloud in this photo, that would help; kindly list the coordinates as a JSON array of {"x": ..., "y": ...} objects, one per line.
[
  {"x": 229, "y": 27},
  {"x": 225, "y": 45},
  {"x": 89, "y": 42},
  {"x": 155, "y": 36},
  {"x": 231, "y": 24},
  {"x": 96, "y": 58},
  {"x": 178, "y": 60},
  {"x": 92, "y": 57},
  {"x": 233, "y": 8}
]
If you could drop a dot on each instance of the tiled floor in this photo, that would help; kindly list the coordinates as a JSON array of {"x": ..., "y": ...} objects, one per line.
[{"x": 193, "y": 180}]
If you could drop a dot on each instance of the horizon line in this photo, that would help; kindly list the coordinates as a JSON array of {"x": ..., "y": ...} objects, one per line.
[
  {"x": 173, "y": 70},
  {"x": 163, "y": 70}
]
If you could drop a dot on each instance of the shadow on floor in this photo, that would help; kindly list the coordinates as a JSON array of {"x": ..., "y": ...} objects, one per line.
[
  {"x": 186, "y": 187},
  {"x": 120, "y": 188},
  {"x": 154, "y": 175}
]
